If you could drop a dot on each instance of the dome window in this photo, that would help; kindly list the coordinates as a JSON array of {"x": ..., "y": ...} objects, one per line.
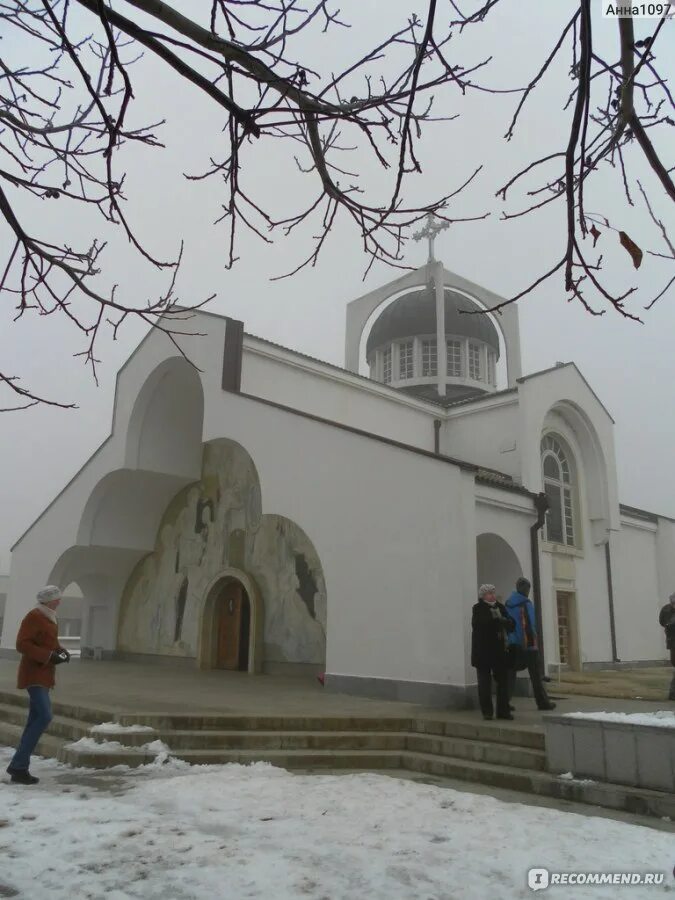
[
  {"x": 405, "y": 360},
  {"x": 475, "y": 368},
  {"x": 429, "y": 358},
  {"x": 386, "y": 365},
  {"x": 454, "y": 358}
]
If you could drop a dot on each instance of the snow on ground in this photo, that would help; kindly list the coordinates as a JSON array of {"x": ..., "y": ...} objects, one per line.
[
  {"x": 663, "y": 718},
  {"x": 233, "y": 832}
]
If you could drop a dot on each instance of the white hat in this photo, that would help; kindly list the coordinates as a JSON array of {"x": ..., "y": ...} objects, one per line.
[{"x": 49, "y": 593}]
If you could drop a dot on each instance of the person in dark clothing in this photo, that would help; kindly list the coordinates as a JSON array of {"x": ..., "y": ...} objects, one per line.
[
  {"x": 523, "y": 646},
  {"x": 667, "y": 622},
  {"x": 490, "y": 625}
]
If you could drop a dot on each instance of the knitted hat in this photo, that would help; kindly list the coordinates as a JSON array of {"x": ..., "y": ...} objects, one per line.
[
  {"x": 486, "y": 589},
  {"x": 49, "y": 593}
]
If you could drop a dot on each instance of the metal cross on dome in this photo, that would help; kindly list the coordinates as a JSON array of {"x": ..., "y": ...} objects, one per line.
[{"x": 430, "y": 230}]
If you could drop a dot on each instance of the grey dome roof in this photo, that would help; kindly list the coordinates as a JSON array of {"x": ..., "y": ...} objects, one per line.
[{"x": 415, "y": 314}]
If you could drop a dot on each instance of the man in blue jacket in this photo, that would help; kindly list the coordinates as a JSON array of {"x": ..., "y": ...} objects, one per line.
[{"x": 523, "y": 645}]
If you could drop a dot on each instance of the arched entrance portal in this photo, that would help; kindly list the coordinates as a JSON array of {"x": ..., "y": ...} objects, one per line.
[
  {"x": 232, "y": 620},
  {"x": 497, "y": 564},
  {"x": 231, "y": 624}
]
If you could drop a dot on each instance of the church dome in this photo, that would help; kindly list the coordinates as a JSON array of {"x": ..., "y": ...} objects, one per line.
[
  {"x": 402, "y": 351},
  {"x": 414, "y": 314}
]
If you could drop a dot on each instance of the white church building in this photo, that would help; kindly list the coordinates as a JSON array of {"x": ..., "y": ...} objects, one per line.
[{"x": 266, "y": 511}]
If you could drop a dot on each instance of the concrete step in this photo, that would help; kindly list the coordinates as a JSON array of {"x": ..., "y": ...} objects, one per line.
[
  {"x": 609, "y": 796},
  {"x": 286, "y": 758},
  {"x": 482, "y": 751},
  {"x": 49, "y": 745},
  {"x": 495, "y": 732},
  {"x": 263, "y": 740},
  {"x": 168, "y": 722},
  {"x": 477, "y": 751},
  {"x": 60, "y": 726},
  {"x": 69, "y": 710}
]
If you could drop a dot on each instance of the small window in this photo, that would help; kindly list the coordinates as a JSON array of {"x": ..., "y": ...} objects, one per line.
[
  {"x": 429, "y": 358},
  {"x": 386, "y": 366},
  {"x": 474, "y": 362},
  {"x": 454, "y": 359},
  {"x": 405, "y": 360}
]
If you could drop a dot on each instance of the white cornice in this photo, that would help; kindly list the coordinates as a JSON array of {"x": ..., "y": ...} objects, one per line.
[
  {"x": 468, "y": 408},
  {"x": 639, "y": 524},
  {"x": 496, "y": 497}
]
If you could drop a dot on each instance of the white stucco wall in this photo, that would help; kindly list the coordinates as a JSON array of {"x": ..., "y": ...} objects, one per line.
[
  {"x": 36, "y": 553},
  {"x": 486, "y": 434},
  {"x": 319, "y": 389},
  {"x": 637, "y": 598},
  {"x": 388, "y": 529}
]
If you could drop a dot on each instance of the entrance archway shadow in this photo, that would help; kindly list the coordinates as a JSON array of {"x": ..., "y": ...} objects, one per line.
[{"x": 497, "y": 563}]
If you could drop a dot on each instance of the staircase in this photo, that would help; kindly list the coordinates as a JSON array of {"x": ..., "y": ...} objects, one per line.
[{"x": 503, "y": 756}]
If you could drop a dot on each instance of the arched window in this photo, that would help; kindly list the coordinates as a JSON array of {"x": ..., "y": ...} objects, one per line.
[{"x": 559, "y": 489}]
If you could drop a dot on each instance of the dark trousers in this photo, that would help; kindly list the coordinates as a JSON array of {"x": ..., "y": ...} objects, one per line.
[
  {"x": 485, "y": 676},
  {"x": 534, "y": 671},
  {"x": 39, "y": 717}
]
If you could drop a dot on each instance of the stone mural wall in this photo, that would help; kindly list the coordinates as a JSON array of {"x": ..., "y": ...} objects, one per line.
[{"x": 208, "y": 527}]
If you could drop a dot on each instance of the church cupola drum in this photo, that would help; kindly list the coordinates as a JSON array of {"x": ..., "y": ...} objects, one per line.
[{"x": 403, "y": 349}]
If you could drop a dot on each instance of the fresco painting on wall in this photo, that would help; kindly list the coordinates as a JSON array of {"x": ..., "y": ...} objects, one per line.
[{"x": 211, "y": 526}]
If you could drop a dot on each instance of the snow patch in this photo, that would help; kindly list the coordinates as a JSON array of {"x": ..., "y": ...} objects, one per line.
[
  {"x": 258, "y": 831},
  {"x": 116, "y": 728},
  {"x": 91, "y": 745},
  {"x": 664, "y": 718}
]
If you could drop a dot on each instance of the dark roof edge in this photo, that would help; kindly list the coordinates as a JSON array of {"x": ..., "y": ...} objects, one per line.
[{"x": 634, "y": 512}]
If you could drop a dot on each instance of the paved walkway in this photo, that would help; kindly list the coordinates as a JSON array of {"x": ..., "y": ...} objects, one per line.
[
  {"x": 649, "y": 683},
  {"x": 125, "y": 687}
]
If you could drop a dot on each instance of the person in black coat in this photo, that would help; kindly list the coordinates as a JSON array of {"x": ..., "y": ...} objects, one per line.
[
  {"x": 490, "y": 624},
  {"x": 667, "y": 622}
]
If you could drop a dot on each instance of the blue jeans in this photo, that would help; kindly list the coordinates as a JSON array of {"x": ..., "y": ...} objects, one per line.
[{"x": 39, "y": 717}]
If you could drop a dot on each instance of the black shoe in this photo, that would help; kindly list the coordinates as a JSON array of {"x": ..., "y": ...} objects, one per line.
[
  {"x": 487, "y": 718},
  {"x": 508, "y": 717},
  {"x": 548, "y": 706},
  {"x": 22, "y": 776},
  {"x": 511, "y": 708}
]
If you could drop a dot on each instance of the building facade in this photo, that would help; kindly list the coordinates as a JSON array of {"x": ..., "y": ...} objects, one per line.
[{"x": 266, "y": 511}]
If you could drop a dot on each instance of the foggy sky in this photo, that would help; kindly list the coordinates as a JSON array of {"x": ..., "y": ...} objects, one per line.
[{"x": 627, "y": 364}]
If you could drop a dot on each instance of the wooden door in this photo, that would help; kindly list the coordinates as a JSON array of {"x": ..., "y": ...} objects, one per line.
[
  {"x": 568, "y": 646},
  {"x": 229, "y": 626}
]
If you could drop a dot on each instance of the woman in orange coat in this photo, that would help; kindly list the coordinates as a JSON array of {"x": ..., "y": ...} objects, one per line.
[{"x": 38, "y": 644}]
